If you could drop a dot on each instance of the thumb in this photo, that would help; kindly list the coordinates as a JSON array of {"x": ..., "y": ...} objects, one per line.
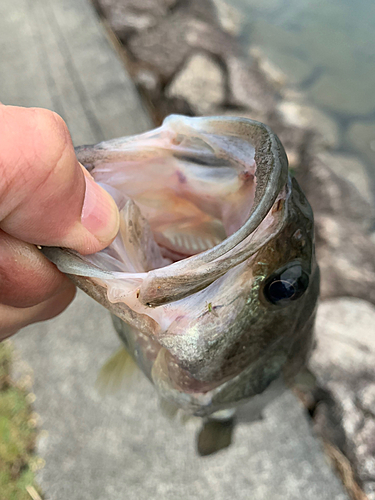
[{"x": 46, "y": 196}]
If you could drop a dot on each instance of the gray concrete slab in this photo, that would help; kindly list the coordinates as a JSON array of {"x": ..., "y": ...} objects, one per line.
[
  {"x": 55, "y": 54},
  {"x": 122, "y": 447}
]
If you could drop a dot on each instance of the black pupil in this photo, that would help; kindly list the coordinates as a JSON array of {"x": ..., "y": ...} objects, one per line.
[{"x": 286, "y": 285}]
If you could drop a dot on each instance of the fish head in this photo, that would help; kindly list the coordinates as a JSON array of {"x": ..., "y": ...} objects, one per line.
[{"x": 212, "y": 277}]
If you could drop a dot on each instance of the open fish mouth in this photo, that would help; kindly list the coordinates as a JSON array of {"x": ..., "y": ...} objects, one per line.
[
  {"x": 189, "y": 193},
  {"x": 210, "y": 223}
]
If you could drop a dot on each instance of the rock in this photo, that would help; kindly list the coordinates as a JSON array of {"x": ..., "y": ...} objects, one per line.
[
  {"x": 170, "y": 106},
  {"x": 343, "y": 364},
  {"x": 230, "y": 19},
  {"x": 333, "y": 195},
  {"x": 294, "y": 139},
  {"x": 270, "y": 70},
  {"x": 343, "y": 223},
  {"x": 201, "y": 82},
  {"x": 346, "y": 256},
  {"x": 148, "y": 80},
  {"x": 345, "y": 342},
  {"x": 212, "y": 39},
  {"x": 292, "y": 94},
  {"x": 361, "y": 135},
  {"x": 202, "y": 11},
  {"x": 299, "y": 115},
  {"x": 366, "y": 398},
  {"x": 163, "y": 48},
  {"x": 352, "y": 169},
  {"x": 128, "y": 16},
  {"x": 247, "y": 86},
  {"x": 166, "y": 46}
]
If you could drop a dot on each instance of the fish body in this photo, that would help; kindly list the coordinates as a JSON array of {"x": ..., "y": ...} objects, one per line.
[{"x": 212, "y": 279}]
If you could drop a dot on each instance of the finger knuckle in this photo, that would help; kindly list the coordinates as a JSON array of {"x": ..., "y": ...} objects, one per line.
[{"x": 55, "y": 137}]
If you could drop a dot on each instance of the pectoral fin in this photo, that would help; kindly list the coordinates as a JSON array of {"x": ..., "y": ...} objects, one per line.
[{"x": 119, "y": 368}]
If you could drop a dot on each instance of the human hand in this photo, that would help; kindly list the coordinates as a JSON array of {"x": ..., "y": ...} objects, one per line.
[{"x": 46, "y": 198}]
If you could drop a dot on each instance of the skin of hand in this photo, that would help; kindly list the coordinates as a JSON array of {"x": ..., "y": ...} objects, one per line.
[{"x": 46, "y": 198}]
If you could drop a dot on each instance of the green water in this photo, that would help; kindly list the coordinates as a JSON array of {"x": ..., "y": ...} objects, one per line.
[{"x": 326, "y": 49}]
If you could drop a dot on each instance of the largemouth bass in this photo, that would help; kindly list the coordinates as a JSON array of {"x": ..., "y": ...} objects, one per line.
[{"x": 212, "y": 278}]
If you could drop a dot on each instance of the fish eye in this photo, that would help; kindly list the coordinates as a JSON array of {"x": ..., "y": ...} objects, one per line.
[{"x": 286, "y": 284}]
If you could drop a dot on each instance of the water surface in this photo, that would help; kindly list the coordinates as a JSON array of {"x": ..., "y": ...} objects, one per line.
[{"x": 327, "y": 50}]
